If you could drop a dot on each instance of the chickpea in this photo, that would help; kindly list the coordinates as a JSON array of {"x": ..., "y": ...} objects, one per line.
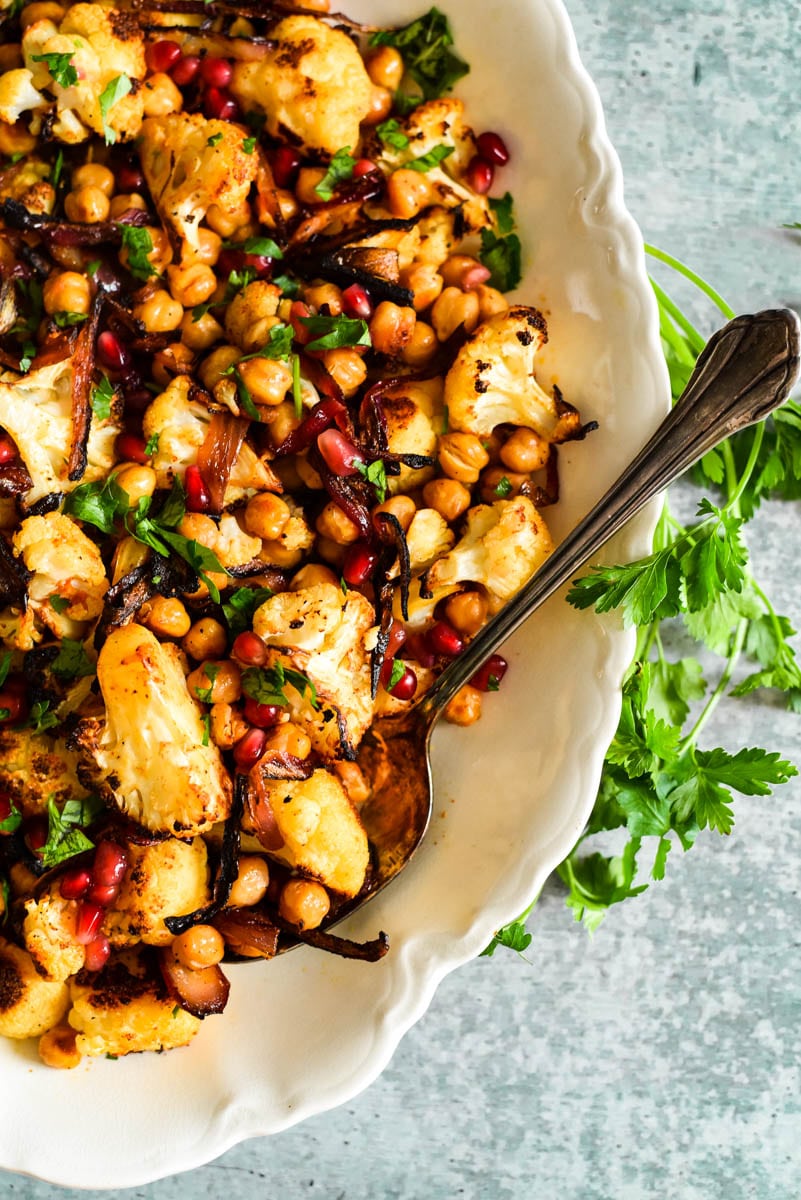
[
  {"x": 199, "y": 947},
  {"x": 217, "y": 682},
  {"x": 490, "y": 302},
  {"x": 124, "y": 203},
  {"x": 334, "y": 524},
  {"x": 41, "y": 12},
  {"x": 310, "y": 575},
  {"x": 161, "y": 96},
  {"x": 226, "y": 221},
  {"x": 385, "y": 68},
  {"x": 128, "y": 555},
  {"x": 353, "y": 781},
  {"x": 328, "y": 295},
  {"x": 283, "y": 419},
  {"x": 422, "y": 347},
  {"x": 308, "y": 180},
  {"x": 525, "y": 451},
  {"x": 348, "y": 369},
  {"x": 200, "y": 333},
  {"x": 11, "y": 60},
  {"x": 213, "y": 368},
  {"x": 159, "y": 313},
  {"x": 424, "y": 281},
  {"x": 15, "y": 139},
  {"x": 95, "y": 175},
  {"x": 304, "y": 903},
  {"x": 167, "y": 617},
  {"x": 462, "y": 456},
  {"x": 266, "y": 516},
  {"x": 331, "y": 552},
  {"x": 454, "y": 308},
  {"x": 173, "y": 360},
  {"x": 408, "y": 192},
  {"x": 465, "y": 707},
  {"x": 449, "y": 497},
  {"x": 289, "y": 738},
  {"x": 209, "y": 245},
  {"x": 402, "y": 508},
  {"x": 308, "y": 476},
  {"x": 267, "y": 379},
  {"x": 251, "y": 883},
  {"x": 391, "y": 328},
  {"x": 87, "y": 204},
  {"x": 226, "y": 725},
  {"x": 67, "y": 291},
  {"x": 199, "y": 528},
  {"x": 58, "y": 1047},
  {"x": 191, "y": 285},
  {"x": 380, "y": 106},
  {"x": 458, "y": 269},
  {"x": 467, "y": 612},
  {"x": 206, "y": 639},
  {"x": 499, "y": 483},
  {"x": 136, "y": 481},
  {"x": 287, "y": 204}
]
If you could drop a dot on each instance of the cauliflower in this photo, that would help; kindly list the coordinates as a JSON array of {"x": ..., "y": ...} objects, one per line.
[
  {"x": 64, "y": 563},
  {"x": 441, "y": 123},
  {"x": 190, "y": 163},
  {"x": 18, "y": 95},
  {"x": 36, "y": 410},
  {"x": 410, "y": 411},
  {"x": 311, "y": 85},
  {"x": 323, "y": 836},
  {"x": 49, "y": 932},
  {"x": 29, "y": 1005},
  {"x": 422, "y": 603},
  {"x": 431, "y": 239},
  {"x": 28, "y": 182},
  {"x": 166, "y": 879},
  {"x": 492, "y": 380},
  {"x": 148, "y": 756},
  {"x": 428, "y": 537},
  {"x": 233, "y": 546},
  {"x": 35, "y": 767},
  {"x": 126, "y": 1015},
  {"x": 297, "y": 536},
  {"x": 322, "y": 633},
  {"x": 182, "y": 425},
  {"x": 102, "y": 45},
  {"x": 503, "y": 545}
]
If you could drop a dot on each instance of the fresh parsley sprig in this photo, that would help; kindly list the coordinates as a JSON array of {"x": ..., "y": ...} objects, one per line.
[{"x": 427, "y": 49}]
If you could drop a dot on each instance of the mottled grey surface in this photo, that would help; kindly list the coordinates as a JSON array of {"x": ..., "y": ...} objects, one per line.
[{"x": 659, "y": 1059}]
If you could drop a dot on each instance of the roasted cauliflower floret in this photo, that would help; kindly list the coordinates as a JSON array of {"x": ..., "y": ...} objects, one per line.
[
  {"x": 190, "y": 163},
  {"x": 428, "y": 537},
  {"x": 323, "y": 836},
  {"x": 148, "y": 756},
  {"x": 36, "y": 410},
  {"x": 182, "y": 425},
  {"x": 49, "y": 932},
  {"x": 18, "y": 95},
  {"x": 28, "y": 182},
  {"x": 492, "y": 380},
  {"x": 322, "y": 633},
  {"x": 503, "y": 545},
  {"x": 411, "y": 412},
  {"x": 126, "y": 1014},
  {"x": 102, "y": 46},
  {"x": 29, "y": 1005},
  {"x": 311, "y": 85},
  {"x": 234, "y": 547},
  {"x": 35, "y": 767},
  {"x": 65, "y": 564},
  {"x": 166, "y": 879},
  {"x": 294, "y": 540}
]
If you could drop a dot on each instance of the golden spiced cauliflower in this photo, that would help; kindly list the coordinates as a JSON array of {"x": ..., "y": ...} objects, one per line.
[
  {"x": 147, "y": 755},
  {"x": 35, "y": 767},
  {"x": 503, "y": 545},
  {"x": 36, "y": 410},
  {"x": 123, "y": 1013},
  {"x": 29, "y": 1005},
  {"x": 192, "y": 162},
  {"x": 412, "y": 412},
  {"x": 66, "y": 567},
  {"x": 311, "y": 85},
  {"x": 322, "y": 633},
  {"x": 49, "y": 933},
  {"x": 492, "y": 380},
  {"x": 167, "y": 879}
]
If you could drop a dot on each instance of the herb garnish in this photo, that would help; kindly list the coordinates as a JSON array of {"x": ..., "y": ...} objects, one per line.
[
  {"x": 339, "y": 170},
  {"x": 138, "y": 243},
  {"x": 376, "y": 474},
  {"x": 60, "y": 67},
  {"x": 333, "y": 332},
  {"x": 112, "y": 93},
  {"x": 65, "y": 838},
  {"x": 432, "y": 159},
  {"x": 501, "y": 252},
  {"x": 72, "y": 661},
  {"x": 266, "y": 685},
  {"x": 426, "y": 48},
  {"x": 240, "y": 606},
  {"x": 391, "y": 134}
]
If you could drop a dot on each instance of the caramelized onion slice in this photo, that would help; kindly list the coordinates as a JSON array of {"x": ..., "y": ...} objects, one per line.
[
  {"x": 201, "y": 993},
  {"x": 247, "y": 932}
]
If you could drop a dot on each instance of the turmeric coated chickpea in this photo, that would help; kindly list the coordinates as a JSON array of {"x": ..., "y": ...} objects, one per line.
[
  {"x": 266, "y": 516},
  {"x": 124, "y": 202},
  {"x": 199, "y": 528},
  {"x": 347, "y": 368},
  {"x": 490, "y": 302},
  {"x": 41, "y": 12},
  {"x": 449, "y": 497},
  {"x": 287, "y": 203},
  {"x": 136, "y": 480},
  {"x": 267, "y": 380},
  {"x": 304, "y": 903},
  {"x": 353, "y": 781},
  {"x": 385, "y": 68},
  {"x": 200, "y": 333},
  {"x": 462, "y": 456},
  {"x": 159, "y": 313},
  {"x": 402, "y": 508},
  {"x": 391, "y": 328},
  {"x": 215, "y": 366},
  {"x": 167, "y": 617},
  {"x": 334, "y": 524},
  {"x": 327, "y": 295},
  {"x": 161, "y": 96},
  {"x": 175, "y": 359},
  {"x": 422, "y": 347},
  {"x": 311, "y": 574},
  {"x": 217, "y": 682},
  {"x": 308, "y": 180},
  {"x": 94, "y": 175},
  {"x": 251, "y": 883},
  {"x": 331, "y": 552},
  {"x": 67, "y": 291},
  {"x": 380, "y": 106},
  {"x": 424, "y": 281},
  {"x": 226, "y": 725},
  {"x": 199, "y": 947},
  {"x": 58, "y": 1046},
  {"x": 209, "y": 245},
  {"x": 467, "y": 612},
  {"x": 206, "y": 639},
  {"x": 452, "y": 309},
  {"x": 88, "y": 205},
  {"x": 14, "y": 139},
  {"x": 525, "y": 451},
  {"x": 290, "y": 739},
  {"x": 408, "y": 192},
  {"x": 283, "y": 419},
  {"x": 226, "y": 221},
  {"x": 457, "y": 270},
  {"x": 499, "y": 483},
  {"x": 465, "y": 707},
  {"x": 191, "y": 285}
]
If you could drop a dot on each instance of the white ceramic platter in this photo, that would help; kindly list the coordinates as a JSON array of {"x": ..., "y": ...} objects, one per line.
[{"x": 309, "y": 1031}]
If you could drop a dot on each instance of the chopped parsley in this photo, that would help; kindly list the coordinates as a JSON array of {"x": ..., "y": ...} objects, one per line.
[
  {"x": 501, "y": 252},
  {"x": 249, "y": 145},
  {"x": 241, "y": 604},
  {"x": 102, "y": 397},
  {"x": 214, "y": 140},
  {"x": 211, "y": 671},
  {"x": 375, "y": 473},
  {"x": 340, "y": 169},
  {"x": 391, "y": 134},
  {"x": 432, "y": 159},
  {"x": 60, "y": 67},
  {"x": 65, "y": 320},
  {"x": 72, "y": 661},
  {"x": 333, "y": 332},
  {"x": 425, "y": 45},
  {"x": 266, "y": 685},
  {"x": 152, "y": 444},
  {"x": 112, "y": 93},
  {"x": 503, "y": 487},
  {"x": 138, "y": 244}
]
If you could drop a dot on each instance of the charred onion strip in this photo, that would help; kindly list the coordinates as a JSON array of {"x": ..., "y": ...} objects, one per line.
[
  {"x": 123, "y": 600},
  {"x": 324, "y": 414},
  {"x": 83, "y": 365},
  {"x": 15, "y": 480},
  {"x": 391, "y": 532},
  {"x": 248, "y": 932},
  {"x": 202, "y": 993},
  {"x": 229, "y": 8},
  {"x": 228, "y": 868},
  {"x": 370, "y": 951},
  {"x": 70, "y": 233},
  {"x": 14, "y": 576},
  {"x": 342, "y": 491},
  {"x": 219, "y": 452}
]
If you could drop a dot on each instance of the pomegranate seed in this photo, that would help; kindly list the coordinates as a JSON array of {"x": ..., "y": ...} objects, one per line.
[
  {"x": 111, "y": 351},
  {"x": 417, "y": 648},
  {"x": 5, "y": 808},
  {"x": 480, "y": 175},
  {"x": 262, "y": 715},
  {"x": 75, "y": 883},
  {"x": 249, "y": 649},
  {"x": 102, "y": 895},
  {"x": 474, "y": 277},
  {"x": 406, "y": 686},
  {"x": 249, "y": 749},
  {"x": 356, "y": 302},
  {"x": 132, "y": 448},
  {"x": 359, "y": 564},
  {"x": 285, "y": 163},
  {"x": 297, "y": 310},
  {"x": 197, "y": 494},
  {"x": 14, "y": 704},
  {"x": 137, "y": 400},
  {"x": 443, "y": 639},
  {"x": 339, "y": 453},
  {"x": 8, "y": 451},
  {"x": 97, "y": 952},
  {"x": 87, "y": 925},
  {"x": 363, "y": 166},
  {"x": 230, "y": 260},
  {"x": 110, "y": 864},
  {"x": 259, "y": 263},
  {"x": 488, "y": 677},
  {"x": 492, "y": 148},
  {"x": 185, "y": 69},
  {"x": 218, "y": 105},
  {"x": 129, "y": 177},
  {"x": 162, "y": 55},
  {"x": 36, "y": 832},
  {"x": 397, "y": 637},
  {"x": 216, "y": 72}
]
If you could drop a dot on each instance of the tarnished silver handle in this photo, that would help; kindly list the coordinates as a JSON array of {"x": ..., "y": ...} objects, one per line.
[{"x": 745, "y": 371}]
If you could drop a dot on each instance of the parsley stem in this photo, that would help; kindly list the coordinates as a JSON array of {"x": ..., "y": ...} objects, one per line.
[
  {"x": 688, "y": 273},
  {"x": 745, "y": 478},
  {"x": 738, "y": 642},
  {"x": 691, "y": 333}
]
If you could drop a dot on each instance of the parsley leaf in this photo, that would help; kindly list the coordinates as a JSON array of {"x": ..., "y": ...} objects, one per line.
[
  {"x": 40, "y": 717},
  {"x": 72, "y": 661},
  {"x": 503, "y": 487},
  {"x": 241, "y": 604},
  {"x": 65, "y": 320},
  {"x": 214, "y": 140},
  {"x": 391, "y": 134},
  {"x": 102, "y": 397},
  {"x": 256, "y": 245},
  {"x": 211, "y": 671},
  {"x": 5, "y": 666},
  {"x": 339, "y": 170},
  {"x": 396, "y": 674},
  {"x": 426, "y": 48},
  {"x": 65, "y": 838},
  {"x": 501, "y": 251},
  {"x": 112, "y": 93},
  {"x": 513, "y": 936},
  {"x": 432, "y": 159},
  {"x": 333, "y": 332},
  {"x": 60, "y": 67},
  {"x": 249, "y": 145},
  {"x": 375, "y": 473},
  {"x": 12, "y": 822},
  {"x": 99, "y": 504},
  {"x": 138, "y": 245},
  {"x": 266, "y": 685}
]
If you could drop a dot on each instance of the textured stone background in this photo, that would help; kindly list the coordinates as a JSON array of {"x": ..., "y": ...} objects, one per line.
[{"x": 659, "y": 1059}]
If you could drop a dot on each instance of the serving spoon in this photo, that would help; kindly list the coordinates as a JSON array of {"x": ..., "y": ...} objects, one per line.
[{"x": 745, "y": 372}]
